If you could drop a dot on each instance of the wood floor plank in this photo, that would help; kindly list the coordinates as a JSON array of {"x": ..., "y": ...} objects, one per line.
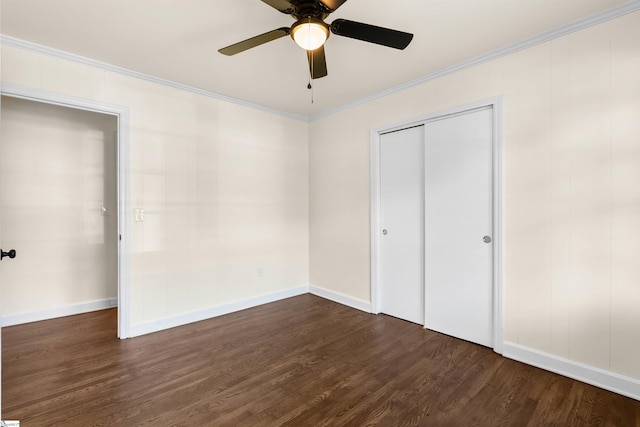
[{"x": 304, "y": 361}]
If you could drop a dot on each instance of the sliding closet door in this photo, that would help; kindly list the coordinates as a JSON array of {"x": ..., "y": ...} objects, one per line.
[
  {"x": 458, "y": 226},
  {"x": 402, "y": 220}
]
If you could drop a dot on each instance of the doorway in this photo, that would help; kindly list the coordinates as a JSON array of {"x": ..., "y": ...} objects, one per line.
[
  {"x": 121, "y": 114},
  {"x": 59, "y": 210},
  {"x": 461, "y": 229}
]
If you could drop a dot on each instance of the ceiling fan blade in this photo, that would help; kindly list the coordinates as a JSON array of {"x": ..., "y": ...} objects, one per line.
[
  {"x": 317, "y": 63},
  {"x": 371, "y": 33},
  {"x": 255, "y": 41},
  {"x": 282, "y": 5},
  {"x": 332, "y": 5}
]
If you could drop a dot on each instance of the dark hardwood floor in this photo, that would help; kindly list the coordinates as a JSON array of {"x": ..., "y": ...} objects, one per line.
[{"x": 304, "y": 361}]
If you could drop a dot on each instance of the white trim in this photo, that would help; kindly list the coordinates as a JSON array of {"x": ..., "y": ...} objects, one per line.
[
  {"x": 498, "y": 236},
  {"x": 491, "y": 102},
  {"x": 607, "y": 15},
  {"x": 498, "y": 226},
  {"x": 607, "y": 380},
  {"x": 54, "y": 98},
  {"x": 208, "y": 313},
  {"x": 341, "y": 298},
  {"x": 52, "y": 313},
  {"x": 375, "y": 220},
  {"x": 122, "y": 114},
  {"x": 37, "y": 48},
  {"x": 124, "y": 221}
]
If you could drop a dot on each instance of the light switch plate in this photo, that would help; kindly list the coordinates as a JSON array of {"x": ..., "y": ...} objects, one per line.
[{"x": 138, "y": 215}]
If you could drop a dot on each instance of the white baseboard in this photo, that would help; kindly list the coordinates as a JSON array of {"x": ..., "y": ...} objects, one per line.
[
  {"x": 52, "y": 313},
  {"x": 607, "y": 380},
  {"x": 196, "y": 316},
  {"x": 341, "y": 298}
]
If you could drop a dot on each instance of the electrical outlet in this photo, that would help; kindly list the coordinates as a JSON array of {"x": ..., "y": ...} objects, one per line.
[{"x": 260, "y": 272}]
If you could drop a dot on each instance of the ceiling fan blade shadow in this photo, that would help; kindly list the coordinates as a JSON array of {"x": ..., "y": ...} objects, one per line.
[
  {"x": 371, "y": 33},
  {"x": 317, "y": 63},
  {"x": 332, "y": 5},
  {"x": 283, "y": 6},
  {"x": 255, "y": 41}
]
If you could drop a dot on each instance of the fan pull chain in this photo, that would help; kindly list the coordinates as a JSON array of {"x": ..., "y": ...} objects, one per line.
[{"x": 310, "y": 86}]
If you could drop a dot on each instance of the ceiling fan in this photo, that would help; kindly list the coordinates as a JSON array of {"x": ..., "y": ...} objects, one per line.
[{"x": 310, "y": 31}]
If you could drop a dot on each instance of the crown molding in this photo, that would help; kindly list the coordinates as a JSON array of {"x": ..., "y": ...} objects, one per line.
[
  {"x": 607, "y": 15},
  {"x": 38, "y": 48}
]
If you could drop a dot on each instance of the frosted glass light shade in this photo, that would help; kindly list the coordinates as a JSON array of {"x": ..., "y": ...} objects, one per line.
[{"x": 310, "y": 35}]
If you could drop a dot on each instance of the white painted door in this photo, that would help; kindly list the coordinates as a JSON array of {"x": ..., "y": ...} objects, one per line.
[
  {"x": 458, "y": 216},
  {"x": 402, "y": 224}
]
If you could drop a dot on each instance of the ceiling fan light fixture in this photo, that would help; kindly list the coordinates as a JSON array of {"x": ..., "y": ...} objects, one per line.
[{"x": 310, "y": 34}]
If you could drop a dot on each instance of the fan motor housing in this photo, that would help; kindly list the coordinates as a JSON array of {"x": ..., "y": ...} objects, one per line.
[{"x": 308, "y": 9}]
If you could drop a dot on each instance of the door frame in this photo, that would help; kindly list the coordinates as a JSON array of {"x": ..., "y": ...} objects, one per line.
[
  {"x": 498, "y": 235},
  {"x": 122, "y": 177}
]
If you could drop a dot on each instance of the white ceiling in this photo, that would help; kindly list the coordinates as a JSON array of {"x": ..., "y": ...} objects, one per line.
[{"x": 178, "y": 40}]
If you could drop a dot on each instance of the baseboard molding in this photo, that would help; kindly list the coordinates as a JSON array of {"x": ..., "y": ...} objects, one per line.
[
  {"x": 68, "y": 310},
  {"x": 341, "y": 298},
  {"x": 196, "y": 316},
  {"x": 616, "y": 383}
]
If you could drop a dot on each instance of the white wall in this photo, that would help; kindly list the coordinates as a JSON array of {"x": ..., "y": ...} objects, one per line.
[
  {"x": 224, "y": 188},
  {"x": 572, "y": 199},
  {"x": 58, "y": 167}
]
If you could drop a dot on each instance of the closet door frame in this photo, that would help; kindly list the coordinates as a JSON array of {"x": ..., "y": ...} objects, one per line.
[{"x": 498, "y": 236}]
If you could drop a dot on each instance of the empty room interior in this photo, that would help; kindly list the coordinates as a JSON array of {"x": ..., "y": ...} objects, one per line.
[{"x": 430, "y": 217}]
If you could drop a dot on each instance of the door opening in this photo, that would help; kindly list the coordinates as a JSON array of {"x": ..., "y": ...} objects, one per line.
[
  {"x": 59, "y": 210},
  {"x": 120, "y": 211}
]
